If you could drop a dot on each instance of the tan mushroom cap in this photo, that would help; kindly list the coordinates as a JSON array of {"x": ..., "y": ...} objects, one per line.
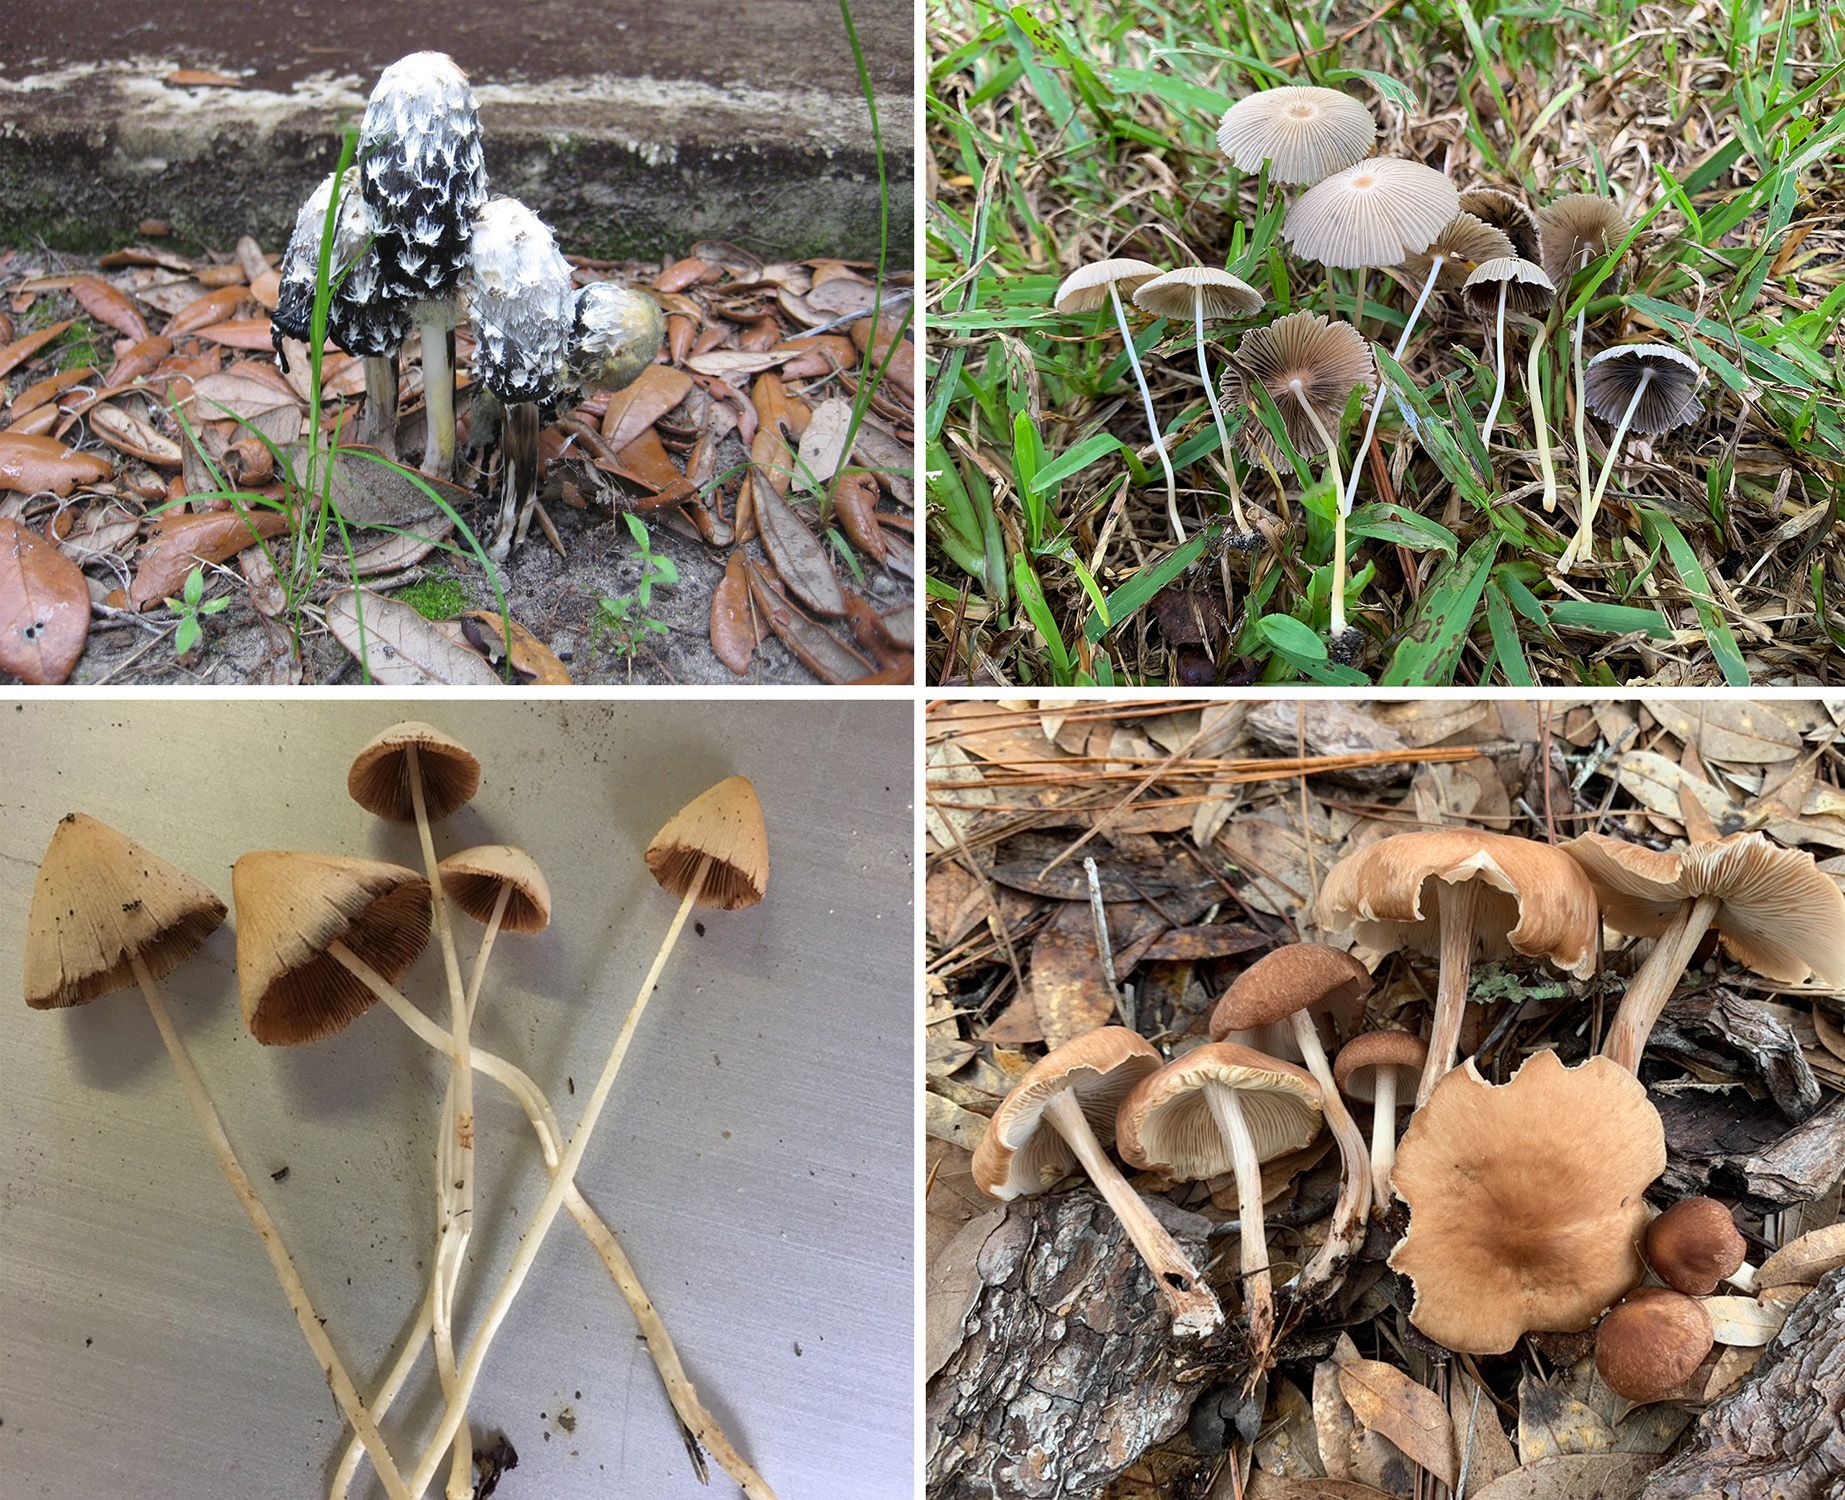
[
  {"x": 292, "y": 907},
  {"x": 1173, "y": 294},
  {"x": 1694, "y": 1245},
  {"x": 473, "y": 879},
  {"x": 1527, "y": 288},
  {"x": 1577, "y": 229},
  {"x": 100, "y": 899},
  {"x": 1612, "y": 377},
  {"x": 1464, "y": 242},
  {"x": 1505, "y": 212},
  {"x": 1329, "y": 359},
  {"x": 1779, "y": 914},
  {"x": 1086, "y": 288},
  {"x": 1651, "y": 1344},
  {"x": 1301, "y": 132},
  {"x": 1300, "y": 976},
  {"x": 1166, "y": 1123},
  {"x": 1373, "y": 214},
  {"x": 1533, "y": 900},
  {"x": 723, "y": 825},
  {"x": 1527, "y": 1200},
  {"x": 1017, "y": 1157},
  {"x": 1360, "y": 1060},
  {"x": 379, "y": 780}
]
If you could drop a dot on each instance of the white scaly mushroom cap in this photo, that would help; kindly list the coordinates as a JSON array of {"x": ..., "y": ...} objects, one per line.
[
  {"x": 520, "y": 303},
  {"x": 615, "y": 335},
  {"x": 362, "y": 318}
]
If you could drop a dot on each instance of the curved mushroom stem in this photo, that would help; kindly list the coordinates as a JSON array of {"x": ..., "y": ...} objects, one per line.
[
  {"x": 1217, "y": 416},
  {"x": 206, "y": 1113},
  {"x": 1336, "y": 604},
  {"x": 1377, "y": 397},
  {"x": 438, "y": 396},
  {"x": 381, "y": 403},
  {"x": 1153, "y": 422},
  {"x": 1652, "y": 987},
  {"x": 1326, "y": 1270},
  {"x": 1585, "y": 529},
  {"x": 1383, "y": 1136},
  {"x": 1582, "y": 441},
  {"x": 1492, "y": 412},
  {"x": 1258, "y": 1292},
  {"x": 1189, "y": 1302},
  {"x": 1534, "y": 393},
  {"x": 697, "y": 1426},
  {"x": 1456, "y": 906}
]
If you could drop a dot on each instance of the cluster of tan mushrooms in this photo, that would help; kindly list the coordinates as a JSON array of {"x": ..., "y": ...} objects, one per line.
[
  {"x": 321, "y": 938},
  {"x": 1526, "y": 1201},
  {"x": 1362, "y": 212}
]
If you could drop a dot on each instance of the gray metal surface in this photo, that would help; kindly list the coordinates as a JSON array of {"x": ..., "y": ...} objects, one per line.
[{"x": 755, "y": 1157}]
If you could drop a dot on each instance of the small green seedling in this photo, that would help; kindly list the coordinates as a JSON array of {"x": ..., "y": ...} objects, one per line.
[
  {"x": 192, "y": 612},
  {"x": 623, "y": 621}
]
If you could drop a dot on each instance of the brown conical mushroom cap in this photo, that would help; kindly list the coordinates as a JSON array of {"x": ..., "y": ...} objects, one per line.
[
  {"x": 99, "y": 898},
  {"x": 1223, "y": 295},
  {"x": 1301, "y": 976},
  {"x": 1649, "y": 1346},
  {"x": 1017, "y": 1156},
  {"x": 1086, "y": 288},
  {"x": 1166, "y": 1123},
  {"x": 1671, "y": 400},
  {"x": 1578, "y": 229},
  {"x": 725, "y": 826},
  {"x": 379, "y": 780},
  {"x": 1464, "y": 243},
  {"x": 1779, "y": 913},
  {"x": 1527, "y": 288},
  {"x": 1360, "y": 1060},
  {"x": 1532, "y": 900},
  {"x": 1694, "y": 1245},
  {"x": 1506, "y": 213},
  {"x": 292, "y": 907},
  {"x": 1372, "y": 214},
  {"x": 474, "y": 877},
  {"x": 1526, "y": 1200},
  {"x": 1302, "y": 133},
  {"x": 1329, "y": 359}
]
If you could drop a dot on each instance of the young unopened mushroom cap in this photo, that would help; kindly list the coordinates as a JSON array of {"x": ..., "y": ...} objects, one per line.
[
  {"x": 1694, "y": 1245},
  {"x": 1373, "y": 214},
  {"x": 1527, "y": 1200},
  {"x": 725, "y": 826},
  {"x": 1017, "y": 1157},
  {"x": 1300, "y": 976},
  {"x": 1527, "y": 288},
  {"x": 1577, "y": 229},
  {"x": 1086, "y": 288},
  {"x": 1504, "y": 212},
  {"x": 1364, "y": 1057},
  {"x": 1464, "y": 242},
  {"x": 1223, "y": 295},
  {"x": 1302, "y": 133},
  {"x": 1329, "y": 359},
  {"x": 1166, "y": 1123},
  {"x": 379, "y": 780},
  {"x": 473, "y": 879},
  {"x": 1649, "y": 1346},
  {"x": 100, "y": 899},
  {"x": 292, "y": 907},
  {"x": 1671, "y": 400}
]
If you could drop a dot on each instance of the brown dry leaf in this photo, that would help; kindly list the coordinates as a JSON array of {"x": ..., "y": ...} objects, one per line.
[
  {"x": 103, "y": 531},
  {"x": 142, "y": 359},
  {"x": 31, "y": 462},
  {"x": 1285, "y": 1448},
  {"x": 1730, "y": 1369},
  {"x": 944, "y": 1120},
  {"x": 1430, "y": 721},
  {"x": 1724, "y": 730},
  {"x": 1347, "y": 1450},
  {"x": 532, "y": 659},
  {"x": 259, "y": 575},
  {"x": 796, "y": 553},
  {"x": 232, "y": 394},
  {"x": 44, "y": 608},
  {"x": 725, "y": 363},
  {"x": 734, "y": 633},
  {"x": 1742, "y": 1322},
  {"x": 242, "y": 333},
  {"x": 647, "y": 463},
  {"x": 1655, "y": 783},
  {"x": 128, "y": 434},
  {"x": 213, "y": 307},
  {"x": 1575, "y": 1476},
  {"x": 266, "y": 288},
  {"x": 51, "y": 387},
  {"x": 400, "y": 549},
  {"x": 632, "y": 411},
  {"x": 400, "y": 647},
  {"x": 1387, "y": 1401},
  {"x": 104, "y": 303},
  {"x": 1267, "y": 1487},
  {"x": 954, "y": 1285},
  {"x": 775, "y": 408},
  {"x": 36, "y": 422},
  {"x": 1485, "y": 1451},
  {"x": 1067, "y": 984},
  {"x": 180, "y": 541},
  {"x": 823, "y": 445},
  {"x": 1552, "y": 1421},
  {"x": 684, "y": 274},
  {"x": 23, "y": 349},
  {"x": 819, "y": 650},
  {"x": 855, "y": 502},
  {"x": 201, "y": 78},
  {"x": 1806, "y": 1259},
  {"x": 1268, "y": 851}
]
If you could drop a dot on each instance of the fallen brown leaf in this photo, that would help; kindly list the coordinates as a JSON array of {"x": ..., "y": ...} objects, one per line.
[
  {"x": 213, "y": 307},
  {"x": 44, "y": 608},
  {"x": 855, "y": 503},
  {"x": 181, "y": 540},
  {"x": 632, "y": 411},
  {"x": 799, "y": 558},
  {"x": 30, "y": 463},
  {"x": 532, "y": 659},
  {"x": 104, "y": 303},
  {"x": 23, "y": 349},
  {"x": 400, "y": 647},
  {"x": 734, "y": 631}
]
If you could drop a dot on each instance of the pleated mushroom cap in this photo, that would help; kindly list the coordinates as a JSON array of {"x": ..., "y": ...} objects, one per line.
[
  {"x": 379, "y": 780},
  {"x": 1166, "y": 1123},
  {"x": 1328, "y": 359},
  {"x": 1506, "y": 213},
  {"x": 1527, "y": 288},
  {"x": 473, "y": 879},
  {"x": 292, "y": 907},
  {"x": 1086, "y": 288},
  {"x": 1302, "y": 133},
  {"x": 1527, "y": 1200},
  {"x": 1464, "y": 242},
  {"x": 1173, "y": 294},
  {"x": 1576, "y": 230},
  {"x": 1671, "y": 400},
  {"x": 99, "y": 900},
  {"x": 1373, "y": 214},
  {"x": 1364, "y": 1058},
  {"x": 725, "y": 826}
]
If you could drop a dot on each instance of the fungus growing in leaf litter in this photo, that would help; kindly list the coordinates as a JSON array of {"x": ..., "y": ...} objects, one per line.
[
  {"x": 615, "y": 334},
  {"x": 1381, "y": 1066},
  {"x": 1502, "y": 282},
  {"x": 1694, "y": 1245},
  {"x": 1651, "y": 1342}
]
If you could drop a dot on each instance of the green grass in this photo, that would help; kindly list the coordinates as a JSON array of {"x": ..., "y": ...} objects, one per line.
[{"x": 1065, "y": 133}]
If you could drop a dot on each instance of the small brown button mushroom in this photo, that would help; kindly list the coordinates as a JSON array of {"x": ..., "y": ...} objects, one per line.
[
  {"x": 1223, "y": 1108},
  {"x": 1076, "y": 1091},
  {"x": 1694, "y": 1245},
  {"x": 1381, "y": 1066},
  {"x": 1300, "y": 133},
  {"x": 1649, "y": 1346}
]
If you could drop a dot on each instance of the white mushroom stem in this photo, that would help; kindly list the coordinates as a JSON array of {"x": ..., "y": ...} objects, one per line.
[
  {"x": 1217, "y": 414},
  {"x": 1377, "y": 399},
  {"x": 1153, "y": 422},
  {"x": 1492, "y": 411},
  {"x": 1347, "y": 1230},
  {"x": 381, "y": 403},
  {"x": 1582, "y": 441},
  {"x": 1193, "y": 1308},
  {"x": 1585, "y": 530},
  {"x": 1336, "y": 604},
  {"x": 696, "y": 1423},
  {"x": 1383, "y": 1134},
  {"x": 1246, "y": 1163},
  {"x": 1652, "y": 987},
  {"x": 206, "y": 1113},
  {"x": 1534, "y": 390},
  {"x": 438, "y": 397},
  {"x": 1457, "y": 904}
]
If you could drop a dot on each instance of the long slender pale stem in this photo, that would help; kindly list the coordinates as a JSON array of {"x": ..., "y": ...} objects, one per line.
[
  {"x": 1582, "y": 441},
  {"x": 1492, "y": 412},
  {"x": 206, "y": 1113},
  {"x": 1614, "y": 450},
  {"x": 1337, "y": 602},
  {"x": 1383, "y": 1134},
  {"x": 1246, "y": 1163},
  {"x": 1652, "y": 987},
  {"x": 1189, "y": 1302},
  {"x": 1153, "y": 422},
  {"x": 381, "y": 403},
  {"x": 1377, "y": 398},
  {"x": 438, "y": 399},
  {"x": 1345, "y": 1232},
  {"x": 1217, "y": 415},
  {"x": 1456, "y": 906},
  {"x": 1534, "y": 391}
]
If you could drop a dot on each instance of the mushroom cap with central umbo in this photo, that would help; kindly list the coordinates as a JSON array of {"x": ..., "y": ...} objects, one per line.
[
  {"x": 1778, "y": 914},
  {"x": 1694, "y": 1245},
  {"x": 1330, "y": 360},
  {"x": 1464, "y": 242},
  {"x": 1373, "y": 214},
  {"x": 100, "y": 899},
  {"x": 1167, "y": 1124},
  {"x": 1017, "y": 1155},
  {"x": 1575, "y": 230},
  {"x": 1527, "y": 288},
  {"x": 379, "y": 780},
  {"x": 1173, "y": 295},
  {"x": 1086, "y": 288},
  {"x": 1671, "y": 398},
  {"x": 1533, "y": 898},
  {"x": 1505, "y": 212},
  {"x": 473, "y": 879},
  {"x": 1526, "y": 1200},
  {"x": 723, "y": 825},
  {"x": 1301, "y": 132}
]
